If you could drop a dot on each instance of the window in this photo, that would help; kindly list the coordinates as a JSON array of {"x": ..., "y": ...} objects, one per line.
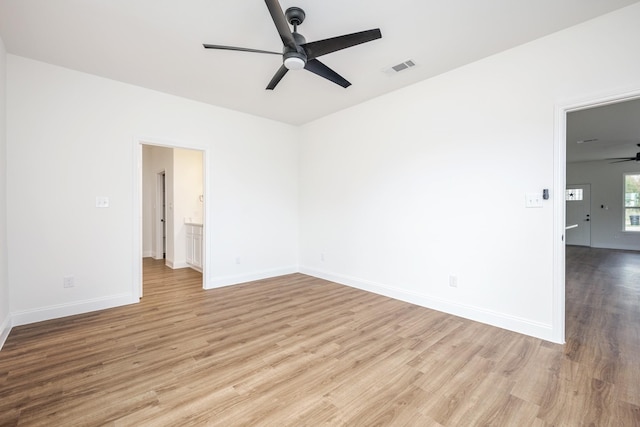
[
  {"x": 573, "y": 194},
  {"x": 632, "y": 202}
]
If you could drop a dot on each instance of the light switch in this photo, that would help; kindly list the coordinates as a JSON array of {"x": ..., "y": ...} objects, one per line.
[
  {"x": 102, "y": 202},
  {"x": 533, "y": 200}
]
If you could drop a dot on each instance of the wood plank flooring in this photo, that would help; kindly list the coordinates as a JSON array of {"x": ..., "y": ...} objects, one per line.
[{"x": 300, "y": 351}]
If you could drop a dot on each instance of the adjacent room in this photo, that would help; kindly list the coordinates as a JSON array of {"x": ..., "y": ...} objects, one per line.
[{"x": 303, "y": 213}]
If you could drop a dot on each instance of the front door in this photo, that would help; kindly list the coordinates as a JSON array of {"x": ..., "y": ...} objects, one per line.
[{"x": 578, "y": 212}]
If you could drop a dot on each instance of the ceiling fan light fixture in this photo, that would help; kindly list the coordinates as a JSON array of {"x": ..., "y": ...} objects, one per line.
[{"x": 294, "y": 63}]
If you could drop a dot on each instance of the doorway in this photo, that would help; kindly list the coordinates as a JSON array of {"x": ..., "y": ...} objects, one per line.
[
  {"x": 561, "y": 214},
  {"x": 172, "y": 195}
]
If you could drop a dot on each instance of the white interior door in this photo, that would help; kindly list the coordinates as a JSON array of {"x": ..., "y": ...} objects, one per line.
[{"x": 578, "y": 212}]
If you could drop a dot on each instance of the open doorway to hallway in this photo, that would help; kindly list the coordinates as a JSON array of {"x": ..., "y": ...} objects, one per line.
[
  {"x": 173, "y": 208},
  {"x": 602, "y": 144},
  {"x": 565, "y": 141},
  {"x": 597, "y": 134}
]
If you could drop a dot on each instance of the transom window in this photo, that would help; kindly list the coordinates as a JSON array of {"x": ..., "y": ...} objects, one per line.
[{"x": 573, "y": 194}]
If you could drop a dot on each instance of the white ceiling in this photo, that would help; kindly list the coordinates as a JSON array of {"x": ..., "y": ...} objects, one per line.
[{"x": 157, "y": 44}]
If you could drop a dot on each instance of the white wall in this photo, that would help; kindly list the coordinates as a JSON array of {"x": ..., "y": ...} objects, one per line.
[
  {"x": 401, "y": 192},
  {"x": 189, "y": 179},
  {"x": 156, "y": 160},
  {"x": 5, "y": 320},
  {"x": 606, "y": 181},
  {"x": 72, "y": 137},
  {"x": 148, "y": 203},
  {"x": 187, "y": 187}
]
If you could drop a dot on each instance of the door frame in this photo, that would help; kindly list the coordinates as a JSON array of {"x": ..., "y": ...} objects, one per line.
[
  {"x": 138, "y": 142},
  {"x": 561, "y": 110}
]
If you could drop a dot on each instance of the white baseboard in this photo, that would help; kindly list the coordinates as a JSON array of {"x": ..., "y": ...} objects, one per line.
[
  {"x": 219, "y": 282},
  {"x": 174, "y": 265},
  {"x": 5, "y": 329},
  {"x": 195, "y": 267},
  {"x": 478, "y": 314},
  {"x": 69, "y": 309}
]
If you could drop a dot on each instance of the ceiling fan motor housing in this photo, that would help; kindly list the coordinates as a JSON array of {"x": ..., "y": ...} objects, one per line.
[{"x": 295, "y": 59}]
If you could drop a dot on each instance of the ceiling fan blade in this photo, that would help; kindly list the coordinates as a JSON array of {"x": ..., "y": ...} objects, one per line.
[
  {"x": 281, "y": 23},
  {"x": 322, "y": 47},
  {"x": 626, "y": 159},
  {"x": 241, "y": 49},
  {"x": 277, "y": 77},
  {"x": 322, "y": 70}
]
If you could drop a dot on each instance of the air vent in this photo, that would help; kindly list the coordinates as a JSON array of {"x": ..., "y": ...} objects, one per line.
[{"x": 394, "y": 69}]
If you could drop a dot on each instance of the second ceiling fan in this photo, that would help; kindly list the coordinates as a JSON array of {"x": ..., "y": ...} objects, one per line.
[
  {"x": 626, "y": 159},
  {"x": 297, "y": 53}
]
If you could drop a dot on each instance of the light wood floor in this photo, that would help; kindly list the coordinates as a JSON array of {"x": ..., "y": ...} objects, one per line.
[{"x": 299, "y": 351}]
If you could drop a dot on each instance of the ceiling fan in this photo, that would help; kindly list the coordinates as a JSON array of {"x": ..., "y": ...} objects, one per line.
[
  {"x": 626, "y": 159},
  {"x": 297, "y": 53}
]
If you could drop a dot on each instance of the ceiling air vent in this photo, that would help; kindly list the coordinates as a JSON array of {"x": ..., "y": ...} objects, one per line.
[{"x": 394, "y": 69}]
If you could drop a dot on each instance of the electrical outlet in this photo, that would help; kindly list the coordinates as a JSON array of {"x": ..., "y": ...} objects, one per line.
[
  {"x": 322, "y": 257},
  {"x": 68, "y": 282},
  {"x": 237, "y": 260},
  {"x": 453, "y": 281}
]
